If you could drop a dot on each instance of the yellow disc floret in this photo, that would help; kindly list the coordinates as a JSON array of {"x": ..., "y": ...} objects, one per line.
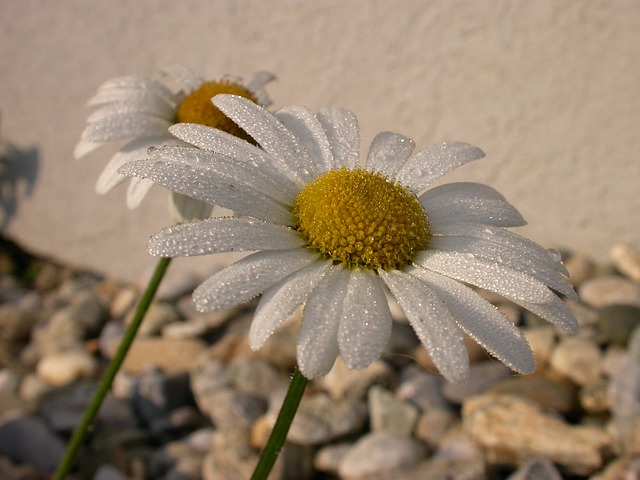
[
  {"x": 362, "y": 219},
  {"x": 198, "y": 108}
]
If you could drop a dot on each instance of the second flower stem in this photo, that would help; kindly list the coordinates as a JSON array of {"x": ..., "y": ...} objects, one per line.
[
  {"x": 281, "y": 427},
  {"x": 92, "y": 410}
]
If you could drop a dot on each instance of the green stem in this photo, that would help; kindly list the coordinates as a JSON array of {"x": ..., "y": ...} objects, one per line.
[
  {"x": 281, "y": 427},
  {"x": 107, "y": 380}
]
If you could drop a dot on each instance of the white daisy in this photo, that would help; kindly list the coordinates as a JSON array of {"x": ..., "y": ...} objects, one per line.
[
  {"x": 335, "y": 230},
  {"x": 139, "y": 110}
]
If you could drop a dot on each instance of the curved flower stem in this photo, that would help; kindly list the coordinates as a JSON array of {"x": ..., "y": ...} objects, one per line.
[
  {"x": 281, "y": 427},
  {"x": 107, "y": 380}
]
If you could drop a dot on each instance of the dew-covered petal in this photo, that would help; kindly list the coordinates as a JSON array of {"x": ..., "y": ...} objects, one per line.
[
  {"x": 433, "y": 323},
  {"x": 119, "y": 127},
  {"x": 262, "y": 178},
  {"x": 555, "y": 311},
  {"x": 428, "y": 165},
  {"x": 152, "y": 105},
  {"x": 124, "y": 89},
  {"x": 268, "y": 131},
  {"x": 137, "y": 190},
  {"x": 318, "y": 337},
  {"x": 209, "y": 186},
  {"x": 520, "y": 245},
  {"x": 343, "y": 132},
  {"x": 490, "y": 276},
  {"x": 282, "y": 299},
  {"x": 388, "y": 152},
  {"x": 510, "y": 258},
  {"x": 216, "y": 235},
  {"x": 305, "y": 125},
  {"x": 134, "y": 150},
  {"x": 470, "y": 202},
  {"x": 250, "y": 277},
  {"x": 481, "y": 321},
  {"x": 365, "y": 325}
]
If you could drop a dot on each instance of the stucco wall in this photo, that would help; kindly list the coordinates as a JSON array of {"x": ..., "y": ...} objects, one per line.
[{"x": 549, "y": 89}]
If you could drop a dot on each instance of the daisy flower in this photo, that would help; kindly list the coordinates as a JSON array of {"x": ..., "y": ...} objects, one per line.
[
  {"x": 339, "y": 232},
  {"x": 139, "y": 110}
]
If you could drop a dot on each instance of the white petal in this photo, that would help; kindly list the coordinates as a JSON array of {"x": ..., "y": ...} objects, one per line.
[
  {"x": 118, "y": 127},
  {"x": 282, "y": 299},
  {"x": 185, "y": 78},
  {"x": 262, "y": 178},
  {"x": 138, "y": 189},
  {"x": 481, "y": 321},
  {"x": 318, "y": 336},
  {"x": 241, "y": 152},
  {"x": 268, "y": 131},
  {"x": 430, "y": 164},
  {"x": 343, "y": 133},
  {"x": 554, "y": 311},
  {"x": 123, "y": 89},
  {"x": 304, "y": 125},
  {"x": 134, "y": 150},
  {"x": 216, "y": 235},
  {"x": 470, "y": 202},
  {"x": 497, "y": 253},
  {"x": 211, "y": 187},
  {"x": 490, "y": 276},
  {"x": 365, "y": 325},
  {"x": 388, "y": 152},
  {"x": 250, "y": 277},
  {"x": 525, "y": 247},
  {"x": 84, "y": 148},
  {"x": 185, "y": 209},
  {"x": 258, "y": 81},
  {"x": 150, "y": 106},
  {"x": 434, "y": 325}
]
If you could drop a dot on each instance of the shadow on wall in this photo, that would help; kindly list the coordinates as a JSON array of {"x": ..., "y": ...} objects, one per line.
[{"x": 18, "y": 174}]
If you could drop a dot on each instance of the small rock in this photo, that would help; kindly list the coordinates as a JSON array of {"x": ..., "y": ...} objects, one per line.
[
  {"x": 613, "y": 357},
  {"x": 627, "y": 260},
  {"x": 171, "y": 355},
  {"x": 26, "y": 439},
  {"x": 253, "y": 375},
  {"x": 552, "y": 394},
  {"x": 109, "y": 472},
  {"x": 159, "y": 315},
  {"x": 379, "y": 451},
  {"x": 482, "y": 375},
  {"x": 9, "y": 399},
  {"x": 328, "y": 458},
  {"x": 387, "y": 413},
  {"x": 536, "y": 469},
  {"x": 157, "y": 393},
  {"x": 321, "y": 419},
  {"x": 33, "y": 388},
  {"x": 594, "y": 397},
  {"x": 422, "y": 389},
  {"x": 578, "y": 359},
  {"x": 230, "y": 409},
  {"x": 609, "y": 290},
  {"x": 341, "y": 382},
  {"x": 433, "y": 425},
  {"x": 123, "y": 302},
  {"x": 616, "y": 322},
  {"x": 580, "y": 268},
  {"x": 60, "y": 369},
  {"x": 511, "y": 430},
  {"x": 110, "y": 339},
  {"x": 15, "y": 323},
  {"x": 541, "y": 340}
]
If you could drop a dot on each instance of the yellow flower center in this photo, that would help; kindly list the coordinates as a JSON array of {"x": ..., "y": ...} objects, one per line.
[
  {"x": 198, "y": 108},
  {"x": 362, "y": 219}
]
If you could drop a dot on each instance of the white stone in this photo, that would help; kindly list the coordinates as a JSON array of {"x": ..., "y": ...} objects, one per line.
[{"x": 63, "y": 368}]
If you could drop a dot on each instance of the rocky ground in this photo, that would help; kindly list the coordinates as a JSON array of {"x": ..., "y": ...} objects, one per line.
[{"x": 193, "y": 402}]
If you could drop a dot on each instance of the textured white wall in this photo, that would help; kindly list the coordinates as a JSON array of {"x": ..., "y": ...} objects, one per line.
[{"x": 549, "y": 89}]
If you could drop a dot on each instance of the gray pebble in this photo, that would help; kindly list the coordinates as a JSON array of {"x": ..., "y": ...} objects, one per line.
[
  {"x": 616, "y": 322},
  {"x": 578, "y": 359},
  {"x": 627, "y": 260},
  {"x": 609, "y": 290},
  {"x": 387, "y": 413}
]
